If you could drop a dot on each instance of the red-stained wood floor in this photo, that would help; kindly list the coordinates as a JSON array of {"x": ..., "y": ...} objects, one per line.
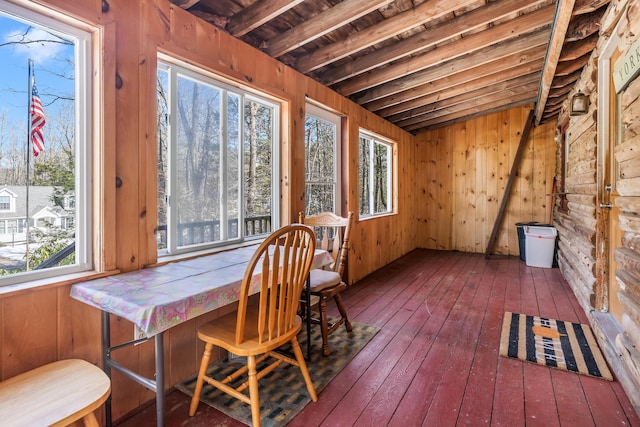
[{"x": 435, "y": 360}]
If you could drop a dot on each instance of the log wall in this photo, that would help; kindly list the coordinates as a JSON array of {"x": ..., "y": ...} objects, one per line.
[
  {"x": 583, "y": 254},
  {"x": 43, "y": 324},
  {"x": 463, "y": 171}
]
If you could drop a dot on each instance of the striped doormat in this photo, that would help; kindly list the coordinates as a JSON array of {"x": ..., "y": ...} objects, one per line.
[{"x": 553, "y": 343}]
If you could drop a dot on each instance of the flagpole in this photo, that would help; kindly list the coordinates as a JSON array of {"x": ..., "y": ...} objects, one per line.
[{"x": 29, "y": 97}]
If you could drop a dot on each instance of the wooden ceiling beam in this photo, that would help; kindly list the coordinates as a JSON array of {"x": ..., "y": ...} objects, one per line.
[
  {"x": 253, "y": 16},
  {"x": 511, "y": 30},
  {"x": 558, "y": 33},
  {"x": 476, "y": 19},
  {"x": 321, "y": 24},
  {"x": 522, "y": 46},
  {"x": 384, "y": 30},
  {"x": 507, "y": 68}
]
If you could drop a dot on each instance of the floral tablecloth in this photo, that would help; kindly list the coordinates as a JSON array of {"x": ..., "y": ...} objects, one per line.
[{"x": 156, "y": 299}]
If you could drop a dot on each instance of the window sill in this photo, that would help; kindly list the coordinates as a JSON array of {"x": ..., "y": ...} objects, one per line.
[
  {"x": 377, "y": 216},
  {"x": 51, "y": 282}
]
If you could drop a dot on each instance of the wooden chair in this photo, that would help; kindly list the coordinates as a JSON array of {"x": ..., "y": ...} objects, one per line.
[
  {"x": 333, "y": 233},
  {"x": 258, "y": 329},
  {"x": 56, "y": 394}
]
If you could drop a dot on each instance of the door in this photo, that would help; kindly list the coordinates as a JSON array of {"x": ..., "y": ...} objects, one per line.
[{"x": 608, "y": 172}]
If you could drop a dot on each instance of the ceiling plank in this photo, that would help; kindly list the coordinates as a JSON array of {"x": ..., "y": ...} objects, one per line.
[
  {"x": 479, "y": 99},
  {"x": 489, "y": 54},
  {"x": 514, "y": 30},
  {"x": 321, "y": 24},
  {"x": 468, "y": 90},
  {"x": 558, "y": 33},
  {"x": 471, "y": 113},
  {"x": 386, "y": 29},
  {"x": 258, "y": 13},
  {"x": 491, "y": 73},
  {"x": 476, "y": 19}
]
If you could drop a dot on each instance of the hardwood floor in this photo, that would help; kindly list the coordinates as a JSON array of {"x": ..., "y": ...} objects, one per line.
[{"x": 435, "y": 360}]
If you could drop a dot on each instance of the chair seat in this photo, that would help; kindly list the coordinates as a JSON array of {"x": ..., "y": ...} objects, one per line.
[
  {"x": 322, "y": 279},
  {"x": 221, "y": 332},
  {"x": 56, "y": 394}
]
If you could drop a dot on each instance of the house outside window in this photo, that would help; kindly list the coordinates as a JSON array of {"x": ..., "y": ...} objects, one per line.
[
  {"x": 55, "y": 57},
  {"x": 322, "y": 160},
  {"x": 5, "y": 203},
  {"x": 218, "y": 168},
  {"x": 375, "y": 175}
]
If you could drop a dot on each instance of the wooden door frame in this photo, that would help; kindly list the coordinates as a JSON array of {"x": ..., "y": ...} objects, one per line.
[{"x": 604, "y": 124}]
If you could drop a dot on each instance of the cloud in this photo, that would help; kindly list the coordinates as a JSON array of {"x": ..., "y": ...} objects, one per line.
[{"x": 36, "y": 44}]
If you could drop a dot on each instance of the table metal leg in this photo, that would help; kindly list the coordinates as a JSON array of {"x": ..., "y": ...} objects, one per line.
[
  {"x": 156, "y": 384},
  {"x": 160, "y": 396},
  {"x": 106, "y": 347}
]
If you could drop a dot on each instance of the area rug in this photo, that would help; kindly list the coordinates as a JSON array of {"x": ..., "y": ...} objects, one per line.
[
  {"x": 553, "y": 343},
  {"x": 283, "y": 392}
]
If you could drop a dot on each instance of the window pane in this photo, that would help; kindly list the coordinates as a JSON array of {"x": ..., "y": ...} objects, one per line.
[
  {"x": 364, "y": 175},
  {"x": 374, "y": 174},
  {"x": 234, "y": 156},
  {"x": 381, "y": 156},
  {"x": 215, "y": 164},
  {"x": 198, "y": 162},
  {"x": 258, "y": 167},
  {"x": 321, "y": 160},
  {"x": 319, "y": 198},
  {"x": 46, "y": 64},
  {"x": 163, "y": 155}
]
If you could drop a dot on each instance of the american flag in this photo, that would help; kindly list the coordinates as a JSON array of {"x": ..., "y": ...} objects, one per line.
[{"x": 37, "y": 122}]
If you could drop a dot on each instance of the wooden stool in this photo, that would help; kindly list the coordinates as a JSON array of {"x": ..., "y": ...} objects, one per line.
[{"x": 56, "y": 394}]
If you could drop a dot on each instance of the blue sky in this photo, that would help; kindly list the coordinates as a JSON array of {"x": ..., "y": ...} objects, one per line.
[{"x": 49, "y": 60}]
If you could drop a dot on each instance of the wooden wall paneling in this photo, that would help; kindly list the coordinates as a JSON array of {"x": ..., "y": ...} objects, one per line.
[
  {"x": 79, "y": 327},
  {"x": 504, "y": 168},
  {"x": 492, "y": 177},
  {"x": 538, "y": 195},
  {"x": 105, "y": 251},
  {"x": 458, "y": 212},
  {"x": 128, "y": 200},
  {"x": 427, "y": 166},
  {"x": 29, "y": 331},
  {"x": 514, "y": 207},
  {"x": 445, "y": 195},
  {"x": 480, "y": 185},
  {"x": 470, "y": 186}
]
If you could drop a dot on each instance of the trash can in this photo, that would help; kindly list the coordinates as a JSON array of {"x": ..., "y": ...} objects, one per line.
[
  {"x": 521, "y": 237},
  {"x": 540, "y": 245}
]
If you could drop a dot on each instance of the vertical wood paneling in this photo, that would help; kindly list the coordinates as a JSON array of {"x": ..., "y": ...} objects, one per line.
[
  {"x": 29, "y": 331},
  {"x": 480, "y": 187},
  {"x": 503, "y": 170},
  {"x": 480, "y": 154}
]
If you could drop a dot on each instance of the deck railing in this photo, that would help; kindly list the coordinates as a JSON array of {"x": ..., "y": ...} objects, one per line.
[{"x": 193, "y": 233}]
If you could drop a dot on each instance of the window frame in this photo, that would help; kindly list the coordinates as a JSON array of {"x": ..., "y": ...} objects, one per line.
[
  {"x": 202, "y": 75},
  {"x": 84, "y": 38},
  {"x": 323, "y": 113},
  {"x": 391, "y": 174}
]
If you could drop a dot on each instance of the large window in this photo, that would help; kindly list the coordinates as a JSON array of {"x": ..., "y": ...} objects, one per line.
[
  {"x": 45, "y": 140},
  {"x": 217, "y": 161},
  {"x": 322, "y": 160},
  {"x": 375, "y": 175}
]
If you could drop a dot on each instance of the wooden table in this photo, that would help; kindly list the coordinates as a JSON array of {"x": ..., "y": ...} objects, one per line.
[{"x": 158, "y": 298}]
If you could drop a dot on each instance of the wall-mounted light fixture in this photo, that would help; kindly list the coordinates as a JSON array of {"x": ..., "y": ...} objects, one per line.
[{"x": 579, "y": 104}]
